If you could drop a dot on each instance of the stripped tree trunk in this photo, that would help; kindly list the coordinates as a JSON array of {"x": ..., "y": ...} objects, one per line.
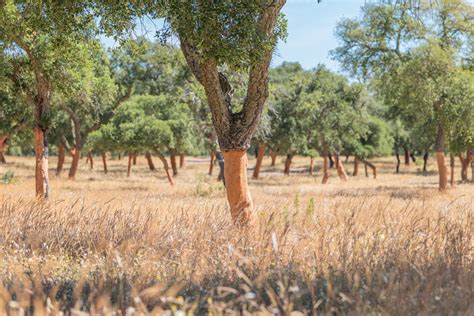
[
  {"x": 356, "y": 166},
  {"x": 439, "y": 148},
  {"x": 341, "y": 172},
  {"x": 325, "y": 169},
  {"x": 166, "y": 167},
  {"x": 258, "y": 164},
  {"x": 174, "y": 166},
  {"x": 273, "y": 156},
  {"x": 129, "y": 167},
  {"x": 61, "y": 158},
  {"x": 76, "y": 155},
  {"x": 151, "y": 165},
  {"x": 181, "y": 160},
  {"x": 211, "y": 162},
  {"x": 104, "y": 161},
  {"x": 311, "y": 166},
  {"x": 41, "y": 150},
  {"x": 288, "y": 160},
  {"x": 451, "y": 164},
  {"x": 425, "y": 161}
]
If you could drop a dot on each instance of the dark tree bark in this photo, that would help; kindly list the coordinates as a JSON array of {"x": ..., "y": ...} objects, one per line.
[
  {"x": 371, "y": 166},
  {"x": 311, "y": 166},
  {"x": 181, "y": 160},
  {"x": 439, "y": 148},
  {"x": 451, "y": 164},
  {"x": 149, "y": 160},
  {"x": 174, "y": 165},
  {"x": 129, "y": 166},
  {"x": 325, "y": 169},
  {"x": 331, "y": 161},
  {"x": 134, "y": 159},
  {"x": 425, "y": 161},
  {"x": 258, "y": 164},
  {"x": 273, "y": 156},
  {"x": 288, "y": 161},
  {"x": 61, "y": 157},
  {"x": 104, "y": 162},
  {"x": 166, "y": 167},
  {"x": 412, "y": 156},
  {"x": 356, "y": 166},
  {"x": 76, "y": 155},
  {"x": 91, "y": 160},
  {"x": 211, "y": 162}
]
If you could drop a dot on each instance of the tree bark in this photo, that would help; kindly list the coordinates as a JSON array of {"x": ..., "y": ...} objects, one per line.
[
  {"x": 397, "y": 155},
  {"x": 2, "y": 158},
  {"x": 238, "y": 194},
  {"x": 258, "y": 164},
  {"x": 211, "y": 163},
  {"x": 366, "y": 171},
  {"x": 412, "y": 156},
  {"x": 181, "y": 160},
  {"x": 174, "y": 165},
  {"x": 288, "y": 161},
  {"x": 134, "y": 159},
  {"x": 166, "y": 167},
  {"x": 149, "y": 160},
  {"x": 76, "y": 155},
  {"x": 331, "y": 161},
  {"x": 129, "y": 167},
  {"x": 61, "y": 158},
  {"x": 91, "y": 160},
  {"x": 451, "y": 164},
  {"x": 104, "y": 161},
  {"x": 41, "y": 169},
  {"x": 439, "y": 148},
  {"x": 371, "y": 166},
  {"x": 465, "y": 164},
  {"x": 311, "y": 166},
  {"x": 273, "y": 156},
  {"x": 356, "y": 166},
  {"x": 341, "y": 172},
  {"x": 407, "y": 156},
  {"x": 425, "y": 161},
  {"x": 325, "y": 169}
]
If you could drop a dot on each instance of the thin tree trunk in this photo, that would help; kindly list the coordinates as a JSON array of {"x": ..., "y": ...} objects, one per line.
[
  {"x": 258, "y": 164},
  {"x": 451, "y": 164},
  {"x": 129, "y": 167},
  {"x": 104, "y": 161},
  {"x": 273, "y": 156},
  {"x": 425, "y": 161},
  {"x": 442, "y": 170},
  {"x": 91, "y": 160},
  {"x": 331, "y": 161},
  {"x": 238, "y": 194},
  {"x": 465, "y": 164},
  {"x": 119, "y": 156},
  {"x": 356, "y": 166},
  {"x": 2, "y": 158},
  {"x": 211, "y": 163},
  {"x": 289, "y": 158},
  {"x": 3, "y": 148},
  {"x": 407, "y": 156},
  {"x": 397, "y": 155},
  {"x": 166, "y": 167},
  {"x": 366, "y": 171},
  {"x": 371, "y": 166},
  {"x": 151, "y": 165},
  {"x": 174, "y": 166},
  {"x": 325, "y": 169},
  {"x": 61, "y": 158},
  {"x": 412, "y": 156},
  {"x": 341, "y": 172},
  {"x": 41, "y": 169},
  {"x": 76, "y": 154},
  {"x": 311, "y": 166},
  {"x": 347, "y": 158},
  {"x": 134, "y": 159},
  {"x": 181, "y": 160}
]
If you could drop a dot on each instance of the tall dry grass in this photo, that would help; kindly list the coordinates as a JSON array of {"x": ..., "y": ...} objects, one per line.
[{"x": 110, "y": 244}]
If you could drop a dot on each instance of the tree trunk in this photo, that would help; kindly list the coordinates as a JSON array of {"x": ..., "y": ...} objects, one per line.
[
  {"x": 181, "y": 160},
  {"x": 331, "y": 161},
  {"x": 61, "y": 158},
  {"x": 347, "y": 158},
  {"x": 258, "y": 164},
  {"x": 366, "y": 171},
  {"x": 325, "y": 169},
  {"x": 311, "y": 166},
  {"x": 3, "y": 148},
  {"x": 151, "y": 165},
  {"x": 465, "y": 164},
  {"x": 371, "y": 166},
  {"x": 104, "y": 161},
  {"x": 288, "y": 160},
  {"x": 174, "y": 166},
  {"x": 134, "y": 159},
  {"x": 397, "y": 155},
  {"x": 451, "y": 164},
  {"x": 407, "y": 156},
  {"x": 238, "y": 194},
  {"x": 2, "y": 158},
  {"x": 129, "y": 167},
  {"x": 425, "y": 161},
  {"x": 273, "y": 156},
  {"x": 439, "y": 148},
  {"x": 166, "y": 167},
  {"x": 341, "y": 172},
  {"x": 412, "y": 156},
  {"x": 211, "y": 163},
  {"x": 91, "y": 160},
  {"x": 76, "y": 155},
  {"x": 356, "y": 166},
  {"x": 41, "y": 169}
]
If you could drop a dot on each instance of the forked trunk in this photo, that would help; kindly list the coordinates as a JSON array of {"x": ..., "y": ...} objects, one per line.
[
  {"x": 61, "y": 158},
  {"x": 311, "y": 166},
  {"x": 129, "y": 166},
  {"x": 442, "y": 169},
  {"x": 325, "y": 169},
  {"x": 356, "y": 166},
  {"x": 41, "y": 169},
  {"x": 174, "y": 166},
  {"x": 407, "y": 156},
  {"x": 341, "y": 172},
  {"x": 238, "y": 194},
  {"x": 273, "y": 156},
  {"x": 288, "y": 160},
  {"x": 371, "y": 166},
  {"x": 258, "y": 164},
  {"x": 181, "y": 160},
  {"x": 134, "y": 159},
  {"x": 425, "y": 161},
  {"x": 166, "y": 167},
  {"x": 91, "y": 160},
  {"x": 211, "y": 162},
  {"x": 149, "y": 160},
  {"x": 104, "y": 161},
  {"x": 76, "y": 154},
  {"x": 451, "y": 164}
]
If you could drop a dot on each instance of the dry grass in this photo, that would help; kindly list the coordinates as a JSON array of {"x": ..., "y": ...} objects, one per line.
[{"x": 107, "y": 243}]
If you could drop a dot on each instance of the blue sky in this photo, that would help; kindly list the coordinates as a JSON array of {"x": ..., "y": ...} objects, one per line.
[{"x": 311, "y": 30}]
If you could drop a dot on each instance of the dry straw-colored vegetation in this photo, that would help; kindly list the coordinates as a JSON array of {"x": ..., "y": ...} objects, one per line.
[{"x": 107, "y": 243}]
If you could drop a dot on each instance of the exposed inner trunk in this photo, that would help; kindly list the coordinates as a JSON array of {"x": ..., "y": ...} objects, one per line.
[
  {"x": 258, "y": 164},
  {"x": 41, "y": 151},
  {"x": 149, "y": 160},
  {"x": 341, "y": 172},
  {"x": 211, "y": 162},
  {"x": 238, "y": 194}
]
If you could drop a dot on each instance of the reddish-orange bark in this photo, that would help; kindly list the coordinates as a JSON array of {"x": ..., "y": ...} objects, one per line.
[{"x": 258, "y": 164}]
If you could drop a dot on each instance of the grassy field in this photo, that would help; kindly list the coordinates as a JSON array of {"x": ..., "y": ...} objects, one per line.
[{"x": 107, "y": 243}]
